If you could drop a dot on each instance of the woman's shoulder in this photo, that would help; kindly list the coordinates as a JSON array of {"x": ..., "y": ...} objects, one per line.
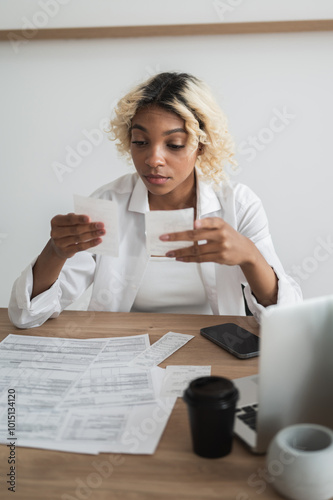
[
  {"x": 123, "y": 185},
  {"x": 245, "y": 194},
  {"x": 244, "y": 207},
  {"x": 239, "y": 192}
]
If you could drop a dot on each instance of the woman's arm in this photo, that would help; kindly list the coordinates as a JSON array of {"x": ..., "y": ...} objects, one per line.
[
  {"x": 46, "y": 270},
  {"x": 224, "y": 245},
  {"x": 261, "y": 278},
  {"x": 37, "y": 294}
]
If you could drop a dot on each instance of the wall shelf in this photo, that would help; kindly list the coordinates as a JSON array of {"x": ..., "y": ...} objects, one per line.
[{"x": 170, "y": 30}]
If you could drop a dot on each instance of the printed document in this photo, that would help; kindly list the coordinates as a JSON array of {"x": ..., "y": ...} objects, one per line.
[
  {"x": 160, "y": 350},
  {"x": 160, "y": 222},
  {"x": 101, "y": 211},
  {"x": 86, "y": 396}
]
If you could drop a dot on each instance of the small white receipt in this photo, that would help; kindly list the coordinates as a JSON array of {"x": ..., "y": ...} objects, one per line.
[
  {"x": 162, "y": 349},
  {"x": 160, "y": 222},
  {"x": 178, "y": 377},
  {"x": 101, "y": 211}
]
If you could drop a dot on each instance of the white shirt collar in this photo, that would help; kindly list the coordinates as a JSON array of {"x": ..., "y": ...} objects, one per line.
[
  {"x": 207, "y": 203},
  {"x": 207, "y": 200},
  {"x": 139, "y": 198}
]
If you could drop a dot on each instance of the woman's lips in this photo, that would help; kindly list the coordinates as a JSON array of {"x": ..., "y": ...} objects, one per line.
[{"x": 156, "y": 179}]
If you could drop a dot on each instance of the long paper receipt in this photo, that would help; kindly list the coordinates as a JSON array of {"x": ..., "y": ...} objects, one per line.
[
  {"x": 101, "y": 211},
  {"x": 162, "y": 349},
  {"x": 160, "y": 222}
]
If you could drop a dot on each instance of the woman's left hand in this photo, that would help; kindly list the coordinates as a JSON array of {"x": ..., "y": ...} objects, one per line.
[{"x": 224, "y": 245}]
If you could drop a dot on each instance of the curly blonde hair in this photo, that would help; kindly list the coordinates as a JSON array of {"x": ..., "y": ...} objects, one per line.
[{"x": 192, "y": 100}]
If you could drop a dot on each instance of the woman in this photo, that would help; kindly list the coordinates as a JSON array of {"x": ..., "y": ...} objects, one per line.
[{"x": 177, "y": 137}]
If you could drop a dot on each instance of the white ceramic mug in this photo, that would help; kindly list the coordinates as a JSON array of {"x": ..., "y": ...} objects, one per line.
[{"x": 300, "y": 462}]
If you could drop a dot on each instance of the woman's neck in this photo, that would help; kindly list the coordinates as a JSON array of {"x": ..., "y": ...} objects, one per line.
[
  {"x": 174, "y": 200},
  {"x": 157, "y": 203}
]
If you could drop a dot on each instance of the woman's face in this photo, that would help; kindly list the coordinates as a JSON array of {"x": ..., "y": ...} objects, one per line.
[{"x": 160, "y": 151}]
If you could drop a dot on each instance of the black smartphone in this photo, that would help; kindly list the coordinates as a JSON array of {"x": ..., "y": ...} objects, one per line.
[{"x": 234, "y": 339}]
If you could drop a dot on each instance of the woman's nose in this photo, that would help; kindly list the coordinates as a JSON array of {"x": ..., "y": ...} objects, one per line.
[{"x": 154, "y": 157}]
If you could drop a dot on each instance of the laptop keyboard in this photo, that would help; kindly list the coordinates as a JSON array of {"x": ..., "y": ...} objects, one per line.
[{"x": 248, "y": 414}]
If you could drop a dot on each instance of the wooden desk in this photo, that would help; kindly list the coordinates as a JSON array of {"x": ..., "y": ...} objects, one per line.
[{"x": 174, "y": 471}]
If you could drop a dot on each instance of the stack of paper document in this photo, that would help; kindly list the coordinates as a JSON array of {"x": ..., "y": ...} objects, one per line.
[{"x": 89, "y": 396}]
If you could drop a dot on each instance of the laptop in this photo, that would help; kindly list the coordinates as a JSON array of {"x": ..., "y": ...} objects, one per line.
[{"x": 295, "y": 381}]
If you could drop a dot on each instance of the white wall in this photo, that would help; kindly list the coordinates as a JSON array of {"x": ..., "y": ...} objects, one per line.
[
  {"x": 18, "y": 14},
  {"x": 55, "y": 92}
]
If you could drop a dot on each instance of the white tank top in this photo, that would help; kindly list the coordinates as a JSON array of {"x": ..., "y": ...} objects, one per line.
[{"x": 170, "y": 286}]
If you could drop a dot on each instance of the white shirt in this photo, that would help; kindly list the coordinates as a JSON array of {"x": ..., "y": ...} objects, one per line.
[
  {"x": 116, "y": 280},
  {"x": 172, "y": 286}
]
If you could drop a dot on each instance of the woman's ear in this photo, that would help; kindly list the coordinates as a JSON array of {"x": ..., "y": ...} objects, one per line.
[{"x": 201, "y": 149}]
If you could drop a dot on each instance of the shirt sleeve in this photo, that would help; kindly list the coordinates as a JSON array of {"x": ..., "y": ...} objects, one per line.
[
  {"x": 253, "y": 224},
  {"x": 75, "y": 277}
]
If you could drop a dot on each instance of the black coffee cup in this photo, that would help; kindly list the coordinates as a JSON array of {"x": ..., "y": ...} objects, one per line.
[{"x": 211, "y": 403}]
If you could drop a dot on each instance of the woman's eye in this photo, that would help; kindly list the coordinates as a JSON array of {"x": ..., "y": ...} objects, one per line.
[
  {"x": 139, "y": 143},
  {"x": 176, "y": 146}
]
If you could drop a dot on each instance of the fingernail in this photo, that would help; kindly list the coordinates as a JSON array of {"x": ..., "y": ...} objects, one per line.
[
  {"x": 99, "y": 225},
  {"x": 164, "y": 237},
  {"x": 197, "y": 224}
]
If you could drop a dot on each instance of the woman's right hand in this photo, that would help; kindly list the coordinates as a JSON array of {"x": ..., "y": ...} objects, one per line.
[{"x": 73, "y": 233}]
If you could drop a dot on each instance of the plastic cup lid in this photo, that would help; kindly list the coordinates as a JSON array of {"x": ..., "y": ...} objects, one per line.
[{"x": 212, "y": 391}]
